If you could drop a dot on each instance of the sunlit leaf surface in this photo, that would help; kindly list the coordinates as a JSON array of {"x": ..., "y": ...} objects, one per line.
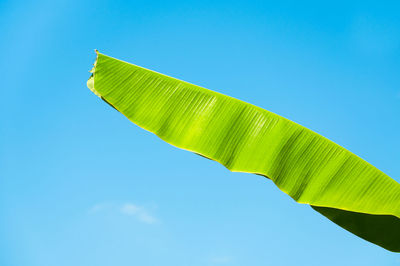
[{"x": 308, "y": 167}]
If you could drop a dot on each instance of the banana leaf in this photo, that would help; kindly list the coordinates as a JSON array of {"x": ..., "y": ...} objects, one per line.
[{"x": 245, "y": 138}]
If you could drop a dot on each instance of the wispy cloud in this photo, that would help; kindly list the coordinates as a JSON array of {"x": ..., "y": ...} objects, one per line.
[
  {"x": 128, "y": 209},
  {"x": 139, "y": 212},
  {"x": 221, "y": 259},
  {"x": 99, "y": 207}
]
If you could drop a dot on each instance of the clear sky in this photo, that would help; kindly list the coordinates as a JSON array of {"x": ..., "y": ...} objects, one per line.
[{"x": 81, "y": 185}]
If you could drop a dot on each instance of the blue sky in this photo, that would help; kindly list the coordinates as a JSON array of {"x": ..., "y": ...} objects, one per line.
[{"x": 80, "y": 185}]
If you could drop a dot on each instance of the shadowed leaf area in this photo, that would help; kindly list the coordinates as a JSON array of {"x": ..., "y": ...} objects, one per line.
[
  {"x": 383, "y": 230},
  {"x": 245, "y": 138}
]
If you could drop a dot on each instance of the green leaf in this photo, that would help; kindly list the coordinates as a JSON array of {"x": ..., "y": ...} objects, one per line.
[{"x": 245, "y": 138}]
